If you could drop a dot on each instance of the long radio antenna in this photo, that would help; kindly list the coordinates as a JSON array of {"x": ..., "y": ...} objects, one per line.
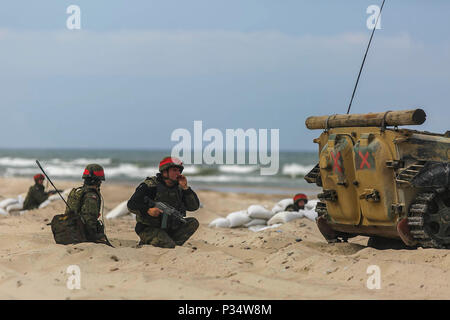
[{"x": 364, "y": 60}]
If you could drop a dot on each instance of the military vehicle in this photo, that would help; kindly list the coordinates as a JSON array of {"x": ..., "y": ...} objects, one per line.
[{"x": 382, "y": 181}]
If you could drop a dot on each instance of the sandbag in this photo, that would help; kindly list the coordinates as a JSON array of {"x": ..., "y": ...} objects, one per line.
[
  {"x": 282, "y": 205},
  {"x": 256, "y": 222},
  {"x": 120, "y": 210},
  {"x": 310, "y": 214},
  {"x": 238, "y": 218},
  {"x": 259, "y": 212},
  {"x": 44, "y": 204},
  {"x": 54, "y": 197},
  {"x": 14, "y": 207},
  {"x": 263, "y": 227},
  {"x": 285, "y": 216},
  {"x": 311, "y": 205},
  {"x": 3, "y": 212},
  {"x": 220, "y": 223},
  {"x": 7, "y": 202}
]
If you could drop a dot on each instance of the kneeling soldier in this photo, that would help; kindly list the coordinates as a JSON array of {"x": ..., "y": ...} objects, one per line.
[
  {"x": 170, "y": 187},
  {"x": 80, "y": 221}
]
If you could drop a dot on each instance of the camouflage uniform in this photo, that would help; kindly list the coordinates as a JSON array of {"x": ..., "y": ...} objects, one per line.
[
  {"x": 89, "y": 209},
  {"x": 148, "y": 228},
  {"x": 35, "y": 196}
]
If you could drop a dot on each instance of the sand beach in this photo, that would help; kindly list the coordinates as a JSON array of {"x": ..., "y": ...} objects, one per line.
[{"x": 292, "y": 261}]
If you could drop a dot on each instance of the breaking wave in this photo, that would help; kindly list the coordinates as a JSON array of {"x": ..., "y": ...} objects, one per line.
[{"x": 129, "y": 166}]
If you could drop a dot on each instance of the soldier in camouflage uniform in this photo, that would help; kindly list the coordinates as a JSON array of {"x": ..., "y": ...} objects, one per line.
[
  {"x": 36, "y": 194},
  {"x": 300, "y": 200},
  {"x": 85, "y": 202},
  {"x": 170, "y": 187}
]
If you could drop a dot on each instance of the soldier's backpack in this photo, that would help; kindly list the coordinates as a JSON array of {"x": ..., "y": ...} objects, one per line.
[{"x": 68, "y": 228}]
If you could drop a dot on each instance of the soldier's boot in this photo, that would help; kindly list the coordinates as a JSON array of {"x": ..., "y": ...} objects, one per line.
[
  {"x": 156, "y": 237},
  {"x": 185, "y": 231}
]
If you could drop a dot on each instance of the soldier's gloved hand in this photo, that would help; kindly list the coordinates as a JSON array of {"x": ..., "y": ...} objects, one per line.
[
  {"x": 154, "y": 212},
  {"x": 182, "y": 181}
]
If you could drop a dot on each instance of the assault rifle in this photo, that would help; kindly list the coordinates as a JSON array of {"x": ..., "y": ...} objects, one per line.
[{"x": 167, "y": 211}]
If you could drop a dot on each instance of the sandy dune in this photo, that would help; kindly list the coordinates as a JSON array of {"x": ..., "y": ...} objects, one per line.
[{"x": 289, "y": 262}]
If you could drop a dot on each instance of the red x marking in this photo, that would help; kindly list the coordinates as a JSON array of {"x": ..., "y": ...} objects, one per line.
[
  {"x": 336, "y": 163},
  {"x": 364, "y": 160}
]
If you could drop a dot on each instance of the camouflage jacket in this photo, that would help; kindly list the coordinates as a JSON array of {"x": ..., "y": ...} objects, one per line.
[
  {"x": 155, "y": 189},
  {"x": 87, "y": 201},
  {"x": 35, "y": 196}
]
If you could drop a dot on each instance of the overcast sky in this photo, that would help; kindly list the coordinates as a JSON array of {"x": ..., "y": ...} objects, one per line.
[{"x": 137, "y": 70}]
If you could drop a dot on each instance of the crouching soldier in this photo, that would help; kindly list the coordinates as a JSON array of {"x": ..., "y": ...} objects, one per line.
[
  {"x": 170, "y": 187},
  {"x": 300, "y": 200},
  {"x": 80, "y": 221},
  {"x": 36, "y": 194}
]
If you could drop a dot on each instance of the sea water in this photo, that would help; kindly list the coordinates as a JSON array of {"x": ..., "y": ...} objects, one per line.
[{"x": 132, "y": 166}]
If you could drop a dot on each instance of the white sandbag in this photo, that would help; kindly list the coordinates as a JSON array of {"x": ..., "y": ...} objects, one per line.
[
  {"x": 7, "y": 202},
  {"x": 120, "y": 210},
  {"x": 20, "y": 198},
  {"x": 3, "y": 212},
  {"x": 311, "y": 205},
  {"x": 259, "y": 212},
  {"x": 238, "y": 218},
  {"x": 220, "y": 223},
  {"x": 256, "y": 222},
  {"x": 263, "y": 227},
  {"x": 54, "y": 197},
  {"x": 282, "y": 205},
  {"x": 14, "y": 207},
  {"x": 310, "y": 214},
  {"x": 284, "y": 217},
  {"x": 44, "y": 204}
]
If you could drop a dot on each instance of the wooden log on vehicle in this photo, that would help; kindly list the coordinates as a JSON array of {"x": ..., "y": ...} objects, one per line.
[{"x": 388, "y": 118}]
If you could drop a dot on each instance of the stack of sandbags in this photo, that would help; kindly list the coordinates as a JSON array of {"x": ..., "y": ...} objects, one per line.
[
  {"x": 15, "y": 205},
  {"x": 4, "y": 204},
  {"x": 233, "y": 220},
  {"x": 258, "y": 217},
  {"x": 284, "y": 217},
  {"x": 282, "y": 205},
  {"x": 255, "y": 216},
  {"x": 12, "y": 204}
]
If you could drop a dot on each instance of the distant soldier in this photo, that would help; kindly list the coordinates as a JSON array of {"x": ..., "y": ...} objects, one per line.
[
  {"x": 36, "y": 194},
  {"x": 300, "y": 199},
  {"x": 80, "y": 221},
  {"x": 170, "y": 187}
]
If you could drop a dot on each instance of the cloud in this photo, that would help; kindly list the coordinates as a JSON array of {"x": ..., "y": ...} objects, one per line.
[
  {"x": 228, "y": 79},
  {"x": 193, "y": 53}
]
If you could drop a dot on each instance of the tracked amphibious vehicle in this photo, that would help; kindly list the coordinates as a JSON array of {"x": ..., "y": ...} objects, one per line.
[{"x": 382, "y": 181}]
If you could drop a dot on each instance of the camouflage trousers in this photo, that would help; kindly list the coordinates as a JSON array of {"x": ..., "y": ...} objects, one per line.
[{"x": 167, "y": 238}]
